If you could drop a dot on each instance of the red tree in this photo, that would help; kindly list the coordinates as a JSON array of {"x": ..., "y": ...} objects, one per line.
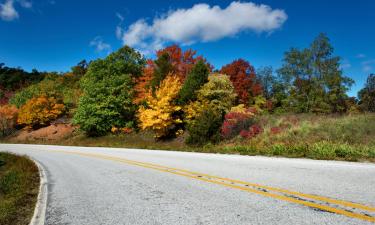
[
  {"x": 243, "y": 77},
  {"x": 182, "y": 61},
  {"x": 142, "y": 83}
]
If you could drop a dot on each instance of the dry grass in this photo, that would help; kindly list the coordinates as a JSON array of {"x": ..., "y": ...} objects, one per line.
[
  {"x": 350, "y": 138},
  {"x": 19, "y": 186}
]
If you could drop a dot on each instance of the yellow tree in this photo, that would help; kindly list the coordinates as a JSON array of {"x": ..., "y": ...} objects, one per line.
[
  {"x": 40, "y": 111},
  {"x": 161, "y": 114}
]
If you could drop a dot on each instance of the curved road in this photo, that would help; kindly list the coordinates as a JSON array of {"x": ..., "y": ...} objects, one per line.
[{"x": 129, "y": 186}]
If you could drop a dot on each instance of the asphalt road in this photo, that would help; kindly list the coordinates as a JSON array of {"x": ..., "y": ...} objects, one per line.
[{"x": 127, "y": 186}]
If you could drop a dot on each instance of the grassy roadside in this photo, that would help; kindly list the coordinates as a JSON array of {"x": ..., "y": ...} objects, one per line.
[
  {"x": 325, "y": 137},
  {"x": 19, "y": 187}
]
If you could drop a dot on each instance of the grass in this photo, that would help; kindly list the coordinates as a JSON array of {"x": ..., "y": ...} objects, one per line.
[
  {"x": 19, "y": 186},
  {"x": 328, "y": 137}
]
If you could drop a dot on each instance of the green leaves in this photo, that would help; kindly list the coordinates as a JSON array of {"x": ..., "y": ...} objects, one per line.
[
  {"x": 316, "y": 82},
  {"x": 108, "y": 92},
  {"x": 195, "y": 79}
]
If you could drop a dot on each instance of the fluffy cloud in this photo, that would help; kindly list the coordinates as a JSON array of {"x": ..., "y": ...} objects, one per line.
[
  {"x": 100, "y": 45},
  {"x": 202, "y": 23},
  {"x": 7, "y": 11}
]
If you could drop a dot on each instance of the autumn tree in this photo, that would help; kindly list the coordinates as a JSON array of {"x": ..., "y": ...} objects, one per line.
[
  {"x": 142, "y": 83},
  {"x": 8, "y": 118},
  {"x": 40, "y": 111},
  {"x": 243, "y": 77},
  {"x": 367, "y": 95},
  {"x": 197, "y": 77},
  {"x": 161, "y": 114},
  {"x": 162, "y": 67},
  {"x": 181, "y": 61},
  {"x": 107, "y": 86}
]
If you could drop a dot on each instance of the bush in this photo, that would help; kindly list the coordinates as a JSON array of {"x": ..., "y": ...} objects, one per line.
[
  {"x": 161, "y": 115},
  {"x": 40, "y": 111},
  {"x": 205, "y": 128},
  {"x": 237, "y": 121},
  {"x": 107, "y": 92},
  {"x": 8, "y": 118}
]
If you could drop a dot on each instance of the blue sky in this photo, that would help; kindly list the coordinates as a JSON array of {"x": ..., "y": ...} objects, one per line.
[{"x": 53, "y": 35}]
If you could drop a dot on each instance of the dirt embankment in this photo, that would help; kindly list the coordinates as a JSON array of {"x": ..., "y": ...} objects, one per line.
[{"x": 50, "y": 133}]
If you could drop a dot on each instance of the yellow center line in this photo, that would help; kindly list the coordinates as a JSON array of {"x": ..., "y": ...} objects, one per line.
[{"x": 219, "y": 181}]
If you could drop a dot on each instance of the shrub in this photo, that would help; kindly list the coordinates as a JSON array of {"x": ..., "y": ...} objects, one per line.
[
  {"x": 107, "y": 92},
  {"x": 161, "y": 114},
  {"x": 40, "y": 111},
  {"x": 236, "y": 122},
  {"x": 253, "y": 131},
  {"x": 8, "y": 118},
  {"x": 205, "y": 128}
]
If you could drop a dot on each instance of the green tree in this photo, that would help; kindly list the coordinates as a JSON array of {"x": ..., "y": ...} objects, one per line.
[
  {"x": 316, "y": 82},
  {"x": 267, "y": 80},
  {"x": 367, "y": 95},
  {"x": 197, "y": 77},
  {"x": 205, "y": 115},
  {"x": 107, "y": 96}
]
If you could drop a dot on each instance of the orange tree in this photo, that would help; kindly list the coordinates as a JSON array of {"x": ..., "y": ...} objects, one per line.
[
  {"x": 8, "y": 118},
  {"x": 40, "y": 111}
]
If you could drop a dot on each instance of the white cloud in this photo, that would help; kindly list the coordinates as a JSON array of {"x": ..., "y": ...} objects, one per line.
[
  {"x": 7, "y": 11},
  {"x": 202, "y": 23},
  {"x": 368, "y": 66},
  {"x": 100, "y": 45}
]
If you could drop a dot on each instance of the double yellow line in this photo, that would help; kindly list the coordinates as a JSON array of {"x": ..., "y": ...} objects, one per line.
[{"x": 313, "y": 201}]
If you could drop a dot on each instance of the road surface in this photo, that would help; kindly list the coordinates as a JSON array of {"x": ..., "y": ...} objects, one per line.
[{"x": 129, "y": 186}]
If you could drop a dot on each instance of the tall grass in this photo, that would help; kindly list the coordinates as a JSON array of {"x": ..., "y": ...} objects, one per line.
[{"x": 19, "y": 185}]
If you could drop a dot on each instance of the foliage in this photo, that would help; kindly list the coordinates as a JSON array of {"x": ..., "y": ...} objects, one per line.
[
  {"x": 315, "y": 81},
  {"x": 239, "y": 119},
  {"x": 243, "y": 77},
  {"x": 142, "y": 84},
  {"x": 8, "y": 118},
  {"x": 40, "y": 111},
  {"x": 16, "y": 78},
  {"x": 107, "y": 86},
  {"x": 161, "y": 115},
  {"x": 163, "y": 67},
  {"x": 367, "y": 95},
  {"x": 219, "y": 92},
  {"x": 197, "y": 77},
  {"x": 205, "y": 115},
  {"x": 205, "y": 128},
  {"x": 173, "y": 60},
  {"x": 181, "y": 61},
  {"x": 63, "y": 87}
]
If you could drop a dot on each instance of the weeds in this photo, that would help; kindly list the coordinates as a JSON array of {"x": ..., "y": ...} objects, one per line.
[{"x": 19, "y": 183}]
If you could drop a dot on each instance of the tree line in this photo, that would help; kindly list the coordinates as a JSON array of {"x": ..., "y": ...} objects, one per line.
[{"x": 180, "y": 92}]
